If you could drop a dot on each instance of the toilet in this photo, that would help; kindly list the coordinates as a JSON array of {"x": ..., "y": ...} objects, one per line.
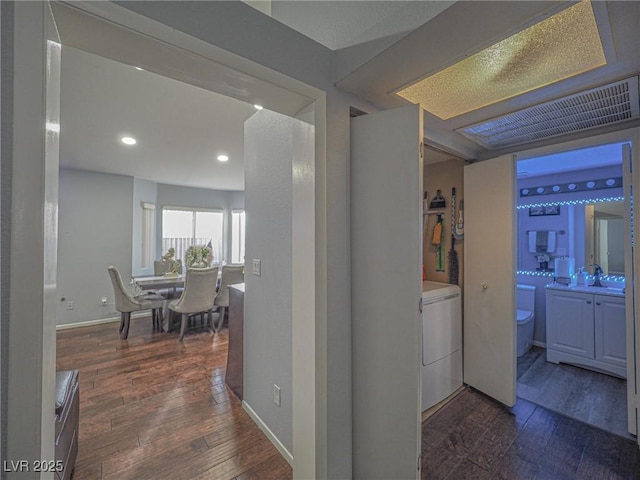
[{"x": 526, "y": 300}]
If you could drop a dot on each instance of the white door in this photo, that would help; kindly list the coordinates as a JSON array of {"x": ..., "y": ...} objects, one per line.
[
  {"x": 489, "y": 278},
  {"x": 386, "y": 262},
  {"x": 629, "y": 177}
]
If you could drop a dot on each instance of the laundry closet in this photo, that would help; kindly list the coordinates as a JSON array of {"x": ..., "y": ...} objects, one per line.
[{"x": 443, "y": 233}]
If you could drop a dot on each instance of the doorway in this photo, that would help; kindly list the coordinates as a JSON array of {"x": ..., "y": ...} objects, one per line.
[
  {"x": 567, "y": 328},
  {"x": 304, "y": 217}
]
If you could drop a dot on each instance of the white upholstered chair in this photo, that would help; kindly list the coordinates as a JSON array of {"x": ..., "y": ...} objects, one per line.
[
  {"x": 198, "y": 295},
  {"x": 125, "y": 303},
  {"x": 231, "y": 274}
]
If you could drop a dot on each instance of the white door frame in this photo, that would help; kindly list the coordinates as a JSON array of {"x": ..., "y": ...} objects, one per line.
[
  {"x": 309, "y": 226},
  {"x": 631, "y": 135}
]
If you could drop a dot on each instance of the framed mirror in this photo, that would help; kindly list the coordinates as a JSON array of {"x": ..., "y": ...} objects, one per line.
[{"x": 604, "y": 236}]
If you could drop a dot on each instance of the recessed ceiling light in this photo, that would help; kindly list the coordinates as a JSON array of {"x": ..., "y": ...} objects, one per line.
[
  {"x": 559, "y": 47},
  {"x": 128, "y": 140},
  {"x": 223, "y": 158},
  {"x": 258, "y": 107},
  {"x": 139, "y": 68}
]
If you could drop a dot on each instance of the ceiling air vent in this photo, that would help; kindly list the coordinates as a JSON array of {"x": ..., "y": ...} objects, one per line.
[{"x": 613, "y": 103}]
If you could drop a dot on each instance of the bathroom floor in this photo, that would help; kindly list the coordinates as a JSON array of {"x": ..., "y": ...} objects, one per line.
[{"x": 591, "y": 397}]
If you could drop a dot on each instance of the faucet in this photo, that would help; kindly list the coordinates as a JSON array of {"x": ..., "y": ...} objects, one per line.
[{"x": 597, "y": 271}]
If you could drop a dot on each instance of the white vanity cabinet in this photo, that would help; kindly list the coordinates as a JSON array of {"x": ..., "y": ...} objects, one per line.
[
  {"x": 610, "y": 330},
  {"x": 570, "y": 327},
  {"x": 586, "y": 329}
]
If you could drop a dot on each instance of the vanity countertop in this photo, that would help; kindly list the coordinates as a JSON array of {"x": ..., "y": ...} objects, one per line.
[{"x": 611, "y": 291}]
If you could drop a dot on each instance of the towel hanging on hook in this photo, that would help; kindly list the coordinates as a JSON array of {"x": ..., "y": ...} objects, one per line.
[{"x": 436, "y": 238}]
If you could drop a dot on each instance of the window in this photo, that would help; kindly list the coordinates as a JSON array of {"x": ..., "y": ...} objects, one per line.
[
  {"x": 237, "y": 236},
  {"x": 148, "y": 227},
  {"x": 183, "y": 227}
]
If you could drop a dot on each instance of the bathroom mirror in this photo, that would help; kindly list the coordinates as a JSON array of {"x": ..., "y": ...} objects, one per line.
[
  {"x": 590, "y": 233},
  {"x": 604, "y": 236}
]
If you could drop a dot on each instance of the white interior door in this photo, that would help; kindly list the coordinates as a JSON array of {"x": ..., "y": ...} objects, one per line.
[
  {"x": 489, "y": 278},
  {"x": 386, "y": 290},
  {"x": 630, "y": 264}
]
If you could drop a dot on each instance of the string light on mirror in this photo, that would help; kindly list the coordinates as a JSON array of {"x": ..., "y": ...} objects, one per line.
[{"x": 572, "y": 202}]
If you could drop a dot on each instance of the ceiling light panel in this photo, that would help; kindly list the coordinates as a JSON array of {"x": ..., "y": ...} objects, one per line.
[{"x": 562, "y": 46}]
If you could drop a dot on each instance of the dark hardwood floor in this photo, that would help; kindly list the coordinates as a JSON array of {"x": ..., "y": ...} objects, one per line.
[
  {"x": 591, "y": 397},
  {"x": 474, "y": 437},
  {"x": 154, "y": 408}
]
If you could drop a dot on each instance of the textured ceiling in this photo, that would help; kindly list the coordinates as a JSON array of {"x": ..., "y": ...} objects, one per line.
[
  {"x": 180, "y": 128},
  {"x": 561, "y": 46}
]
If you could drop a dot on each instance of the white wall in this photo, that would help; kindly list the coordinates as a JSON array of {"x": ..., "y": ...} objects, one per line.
[
  {"x": 95, "y": 219},
  {"x": 268, "y": 298},
  {"x": 6, "y": 152}
]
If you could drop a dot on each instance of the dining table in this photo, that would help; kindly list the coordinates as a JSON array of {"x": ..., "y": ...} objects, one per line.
[
  {"x": 156, "y": 282},
  {"x": 145, "y": 284},
  {"x": 159, "y": 281}
]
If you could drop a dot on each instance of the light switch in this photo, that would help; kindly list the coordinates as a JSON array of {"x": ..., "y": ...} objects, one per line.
[{"x": 255, "y": 269}]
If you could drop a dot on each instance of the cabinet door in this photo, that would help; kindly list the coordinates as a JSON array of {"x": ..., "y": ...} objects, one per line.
[
  {"x": 386, "y": 292},
  {"x": 570, "y": 323},
  {"x": 610, "y": 325}
]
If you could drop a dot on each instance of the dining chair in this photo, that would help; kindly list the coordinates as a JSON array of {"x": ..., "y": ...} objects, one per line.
[
  {"x": 125, "y": 303},
  {"x": 231, "y": 274},
  {"x": 197, "y": 296}
]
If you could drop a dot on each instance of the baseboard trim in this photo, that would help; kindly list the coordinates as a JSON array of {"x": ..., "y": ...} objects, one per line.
[
  {"x": 98, "y": 321},
  {"x": 539, "y": 344},
  {"x": 270, "y": 435}
]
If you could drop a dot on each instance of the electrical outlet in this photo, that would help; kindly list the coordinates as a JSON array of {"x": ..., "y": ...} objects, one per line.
[
  {"x": 276, "y": 394},
  {"x": 70, "y": 305},
  {"x": 256, "y": 267},
  {"x": 103, "y": 301}
]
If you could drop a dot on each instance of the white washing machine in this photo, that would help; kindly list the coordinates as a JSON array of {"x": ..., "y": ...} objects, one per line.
[{"x": 441, "y": 342}]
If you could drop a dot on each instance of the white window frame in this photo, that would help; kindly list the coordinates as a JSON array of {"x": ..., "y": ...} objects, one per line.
[
  {"x": 238, "y": 241},
  {"x": 147, "y": 250},
  {"x": 194, "y": 210}
]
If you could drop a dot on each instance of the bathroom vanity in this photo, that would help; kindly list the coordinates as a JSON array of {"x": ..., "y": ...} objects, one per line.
[{"x": 586, "y": 326}]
